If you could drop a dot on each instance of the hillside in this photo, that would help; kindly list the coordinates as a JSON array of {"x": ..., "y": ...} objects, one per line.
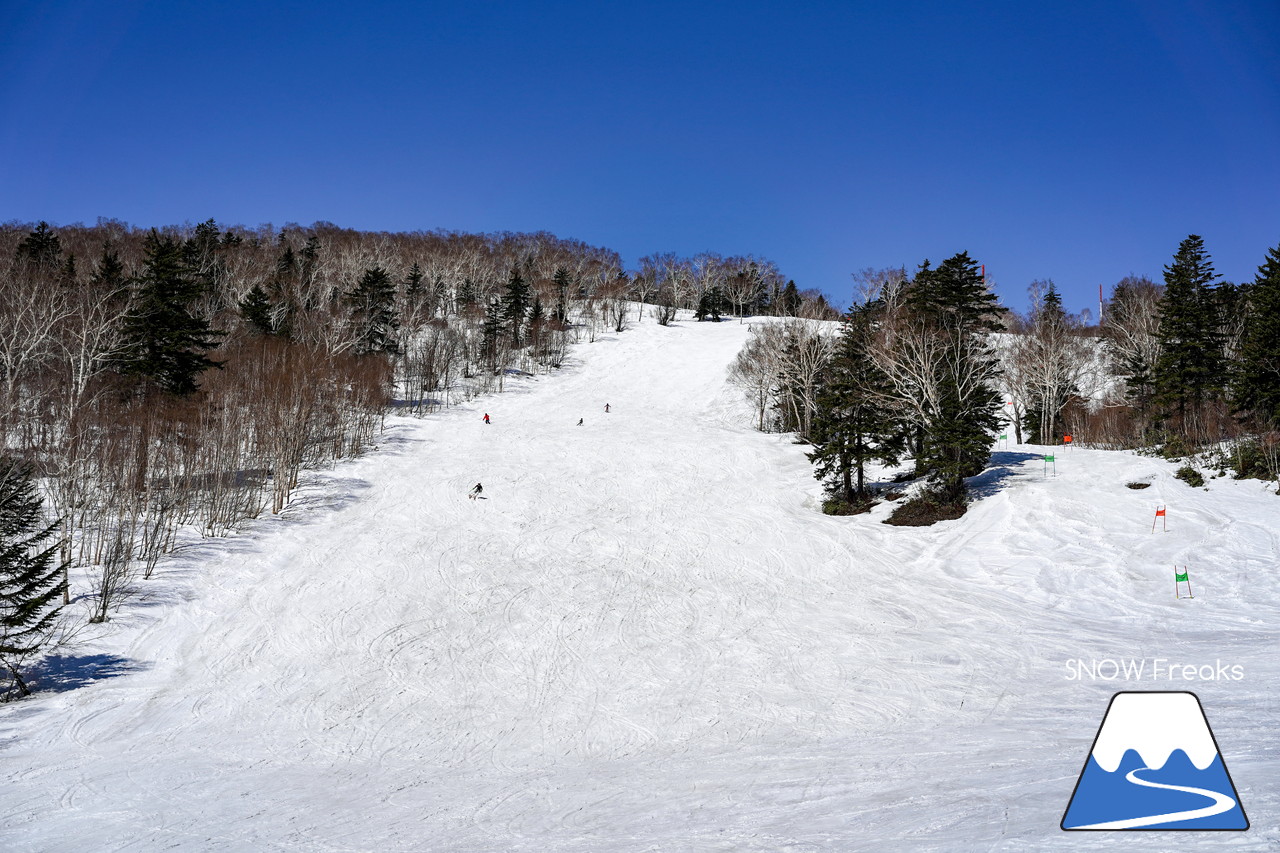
[{"x": 646, "y": 637}]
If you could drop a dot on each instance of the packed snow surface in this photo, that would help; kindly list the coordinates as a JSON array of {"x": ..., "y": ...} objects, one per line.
[{"x": 645, "y": 636}]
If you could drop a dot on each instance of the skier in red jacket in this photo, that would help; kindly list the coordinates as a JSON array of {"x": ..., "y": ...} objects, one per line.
[{"x": 486, "y": 417}]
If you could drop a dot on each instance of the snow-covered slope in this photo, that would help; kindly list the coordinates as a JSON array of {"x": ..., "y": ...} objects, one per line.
[{"x": 646, "y": 637}]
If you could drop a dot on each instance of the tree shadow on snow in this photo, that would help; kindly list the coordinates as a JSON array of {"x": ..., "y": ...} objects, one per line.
[
  {"x": 1004, "y": 464},
  {"x": 60, "y": 673}
]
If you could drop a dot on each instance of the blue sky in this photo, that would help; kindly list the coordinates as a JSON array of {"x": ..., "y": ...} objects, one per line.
[{"x": 1074, "y": 141}]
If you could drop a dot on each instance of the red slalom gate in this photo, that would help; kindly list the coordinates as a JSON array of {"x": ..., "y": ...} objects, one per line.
[{"x": 1160, "y": 513}]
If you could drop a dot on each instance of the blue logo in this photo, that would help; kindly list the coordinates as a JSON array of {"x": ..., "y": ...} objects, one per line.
[{"x": 1155, "y": 765}]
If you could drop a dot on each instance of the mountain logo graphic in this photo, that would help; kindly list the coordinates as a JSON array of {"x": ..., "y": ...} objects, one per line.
[{"x": 1155, "y": 765}]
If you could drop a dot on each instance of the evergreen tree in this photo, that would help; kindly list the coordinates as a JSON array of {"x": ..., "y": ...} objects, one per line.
[
  {"x": 256, "y": 310},
  {"x": 1256, "y": 388},
  {"x": 491, "y": 331},
  {"x": 790, "y": 301},
  {"x": 560, "y": 312},
  {"x": 109, "y": 274},
  {"x": 710, "y": 303},
  {"x": 373, "y": 312},
  {"x": 953, "y": 303},
  {"x": 955, "y": 296},
  {"x": 162, "y": 341},
  {"x": 309, "y": 261},
  {"x": 413, "y": 282},
  {"x": 1190, "y": 370},
  {"x": 852, "y": 426},
  {"x": 536, "y": 313},
  {"x": 715, "y": 303},
  {"x": 31, "y": 578},
  {"x": 42, "y": 248},
  {"x": 287, "y": 263},
  {"x": 466, "y": 296},
  {"x": 68, "y": 274},
  {"x": 515, "y": 305}
]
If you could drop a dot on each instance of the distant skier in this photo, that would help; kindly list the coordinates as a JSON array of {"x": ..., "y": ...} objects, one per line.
[
  {"x": 606, "y": 408},
  {"x": 476, "y": 491},
  {"x": 486, "y": 417},
  {"x": 579, "y": 421}
]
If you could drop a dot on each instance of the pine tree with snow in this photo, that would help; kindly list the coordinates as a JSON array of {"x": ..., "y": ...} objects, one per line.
[{"x": 31, "y": 578}]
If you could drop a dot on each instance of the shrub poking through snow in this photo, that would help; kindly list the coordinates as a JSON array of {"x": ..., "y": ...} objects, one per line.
[
  {"x": 925, "y": 510},
  {"x": 1190, "y": 476}
]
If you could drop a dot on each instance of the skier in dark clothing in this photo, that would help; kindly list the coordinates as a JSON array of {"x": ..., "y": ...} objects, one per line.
[
  {"x": 606, "y": 408},
  {"x": 476, "y": 491},
  {"x": 579, "y": 421}
]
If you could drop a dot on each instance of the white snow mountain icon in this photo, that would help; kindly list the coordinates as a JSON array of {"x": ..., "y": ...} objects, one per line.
[{"x": 1155, "y": 765}]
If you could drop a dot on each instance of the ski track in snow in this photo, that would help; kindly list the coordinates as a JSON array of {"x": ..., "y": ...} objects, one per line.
[{"x": 647, "y": 637}]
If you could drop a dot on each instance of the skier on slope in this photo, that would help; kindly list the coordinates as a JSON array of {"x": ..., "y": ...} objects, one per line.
[
  {"x": 486, "y": 417},
  {"x": 475, "y": 491},
  {"x": 606, "y": 408},
  {"x": 579, "y": 421}
]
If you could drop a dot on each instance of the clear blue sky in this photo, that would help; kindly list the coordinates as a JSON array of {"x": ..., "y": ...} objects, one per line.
[{"x": 1075, "y": 141}]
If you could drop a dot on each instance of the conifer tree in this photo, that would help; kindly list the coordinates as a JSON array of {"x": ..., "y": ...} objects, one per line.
[
  {"x": 852, "y": 426},
  {"x": 1190, "y": 370},
  {"x": 491, "y": 331},
  {"x": 287, "y": 263},
  {"x": 373, "y": 312},
  {"x": 954, "y": 304},
  {"x": 31, "y": 578},
  {"x": 515, "y": 305},
  {"x": 256, "y": 310},
  {"x": 709, "y": 305},
  {"x": 42, "y": 248},
  {"x": 1256, "y": 386},
  {"x": 560, "y": 312},
  {"x": 790, "y": 301},
  {"x": 163, "y": 342},
  {"x": 109, "y": 274},
  {"x": 413, "y": 281}
]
